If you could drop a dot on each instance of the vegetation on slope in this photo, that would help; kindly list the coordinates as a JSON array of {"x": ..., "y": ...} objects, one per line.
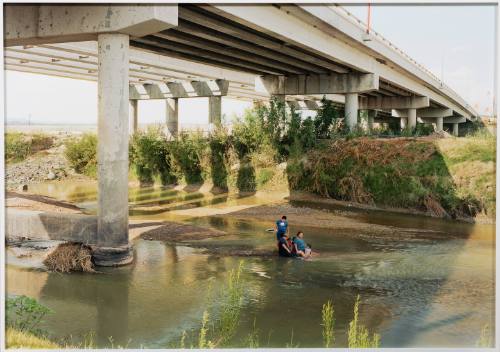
[
  {"x": 449, "y": 177},
  {"x": 18, "y": 146}
]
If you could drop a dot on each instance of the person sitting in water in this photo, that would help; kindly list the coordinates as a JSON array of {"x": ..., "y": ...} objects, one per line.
[
  {"x": 281, "y": 227},
  {"x": 284, "y": 249},
  {"x": 301, "y": 249}
]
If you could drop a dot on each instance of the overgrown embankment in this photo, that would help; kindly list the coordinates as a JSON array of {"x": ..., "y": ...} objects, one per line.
[{"x": 449, "y": 177}]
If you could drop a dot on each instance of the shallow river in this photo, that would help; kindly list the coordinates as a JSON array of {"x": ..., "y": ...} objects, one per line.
[{"x": 436, "y": 289}]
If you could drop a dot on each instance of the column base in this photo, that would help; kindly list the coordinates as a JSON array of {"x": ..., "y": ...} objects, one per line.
[{"x": 112, "y": 256}]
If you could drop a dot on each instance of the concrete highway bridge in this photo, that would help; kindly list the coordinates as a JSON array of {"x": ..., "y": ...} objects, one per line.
[{"x": 297, "y": 53}]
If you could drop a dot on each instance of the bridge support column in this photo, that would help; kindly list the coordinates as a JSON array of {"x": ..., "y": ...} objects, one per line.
[
  {"x": 404, "y": 122},
  {"x": 113, "y": 247},
  {"x": 371, "y": 118},
  {"x": 134, "y": 105},
  {"x": 412, "y": 119},
  {"x": 351, "y": 110},
  {"x": 439, "y": 124},
  {"x": 215, "y": 110},
  {"x": 455, "y": 129},
  {"x": 172, "y": 116}
]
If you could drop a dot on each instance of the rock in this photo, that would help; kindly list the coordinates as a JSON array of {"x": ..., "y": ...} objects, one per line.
[
  {"x": 23, "y": 188},
  {"x": 51, "y": 176}
]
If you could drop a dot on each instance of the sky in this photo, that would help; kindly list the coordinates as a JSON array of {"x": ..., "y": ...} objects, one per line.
[{"x": 456, "y": 42}]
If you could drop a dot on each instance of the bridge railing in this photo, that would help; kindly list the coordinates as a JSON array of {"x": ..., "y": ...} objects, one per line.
[{"x": 356, "y": 21}]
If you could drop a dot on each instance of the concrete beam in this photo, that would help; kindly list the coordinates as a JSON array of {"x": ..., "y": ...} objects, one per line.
[
  {"x": 194, "y": 89},
  {"x": 112, "y": 152},
  {"x": 451, "y": 119},
  {"x": 334, "y": 83},
  {"x": 302, "y": 29},
  {"x": 382, "y": 103},
  {"x": 39, "y": 24},
  {"x": 304, "y": 104},
  {"x": 426, "y": 113}
]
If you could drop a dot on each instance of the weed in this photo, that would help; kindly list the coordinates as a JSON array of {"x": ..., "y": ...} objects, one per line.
[
  {"x": 328, "y": 319},
  {"x": 358, "y": 335}
]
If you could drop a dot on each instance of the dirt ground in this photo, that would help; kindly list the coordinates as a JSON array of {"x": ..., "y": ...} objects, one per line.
[{"x": 26, "y": 201}]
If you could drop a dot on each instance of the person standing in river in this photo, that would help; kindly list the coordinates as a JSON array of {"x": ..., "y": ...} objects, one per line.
[{"x": 281, "y": 227}]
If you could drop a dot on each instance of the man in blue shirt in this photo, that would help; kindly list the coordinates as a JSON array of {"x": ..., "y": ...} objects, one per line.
[{"x": 281, "y": 227}]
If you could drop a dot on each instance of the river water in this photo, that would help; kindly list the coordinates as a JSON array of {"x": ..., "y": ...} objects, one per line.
[{"x": 434, "y": 288}]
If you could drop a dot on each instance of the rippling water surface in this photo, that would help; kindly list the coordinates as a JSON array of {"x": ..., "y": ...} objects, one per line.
[{"x": 434, "y": 289}]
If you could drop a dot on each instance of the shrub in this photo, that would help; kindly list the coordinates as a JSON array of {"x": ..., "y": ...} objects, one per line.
[
  {"x": 188, "y": 152},
  {"x": 17, "y": 148},
  {"x": 40, "y": 141},
  {"x": 151, "y": 156},
  {"x": 246, "y": 181},
  {"x": 81, "y": 154},
  {"x": 219, "y": 147},
  {"x": 25, "y": 314},
  {"x": 248, "y": 133}
]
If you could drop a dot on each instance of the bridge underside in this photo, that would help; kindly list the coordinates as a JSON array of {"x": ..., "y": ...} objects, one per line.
[{"x": 299, "y": 53}]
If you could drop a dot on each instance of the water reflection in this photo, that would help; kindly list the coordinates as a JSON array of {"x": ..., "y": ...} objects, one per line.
[{"x": 427, "y": 283}]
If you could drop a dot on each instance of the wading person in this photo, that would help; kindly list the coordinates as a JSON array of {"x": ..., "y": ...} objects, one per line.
[{"x": 281, "y": 227}]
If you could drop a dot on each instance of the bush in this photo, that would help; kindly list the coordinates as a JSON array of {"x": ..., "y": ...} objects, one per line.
[
  {"x": 188, "y": 151},
  {"x": 16, "y": 147},
  {"x": 151, "y": 155},
  {"x": 81, "y": 154},
  {"x": 248, "y": 133},
  {"x": 19, "y": 146},
  {"x": 219, "y": 147},
  {"x": 25, "y": 314}
]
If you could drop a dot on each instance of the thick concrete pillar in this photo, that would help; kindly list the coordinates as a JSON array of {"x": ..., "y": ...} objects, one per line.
[
  {"x": 172, "y": 116},
  {"x": 455, "y": 129},
  {"x": 215, "y": 110},
  {"x": 371, "y": 118},
  {"x": 134, "y": 104},
  {"x": 412, "y": 118},
  {"x": 404, "y": 122},
  {"x": 351, "y": 110},
  {"x": 439, "y": 124},
  {"x": 113, "y": 247}
]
